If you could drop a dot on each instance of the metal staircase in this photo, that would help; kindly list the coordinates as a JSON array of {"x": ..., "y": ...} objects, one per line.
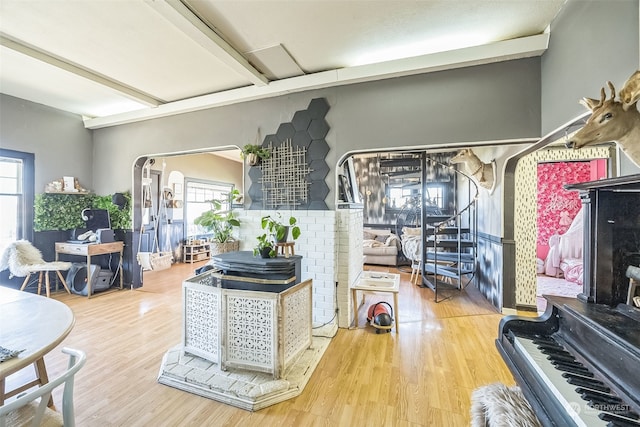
[{"x": 450, "y": 241}]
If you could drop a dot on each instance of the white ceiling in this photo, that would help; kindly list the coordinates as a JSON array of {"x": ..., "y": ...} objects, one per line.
[{"x": 117, "y": 61}]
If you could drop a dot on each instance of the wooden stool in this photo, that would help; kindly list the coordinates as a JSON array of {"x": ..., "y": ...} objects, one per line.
[{"x": 286, "y": 249}]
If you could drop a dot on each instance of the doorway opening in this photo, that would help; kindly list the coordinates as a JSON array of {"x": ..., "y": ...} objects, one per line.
[
  {"x": 559, "y": 223},
  {"x": 162, "y": 214}
]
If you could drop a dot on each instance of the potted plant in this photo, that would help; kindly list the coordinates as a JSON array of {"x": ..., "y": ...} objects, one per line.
[
  {"x": 264, "y": 247},
  {"x": 279, "y": 229},
  {"x": 220, "y": 222},
  {"x": 254, "y": 153}
]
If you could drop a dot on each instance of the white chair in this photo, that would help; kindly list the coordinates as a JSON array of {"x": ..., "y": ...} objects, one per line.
[
  {"x": 25, "y": 411},
  {"x": 412, "y": 249},
  {"x": 23, "y": 259}
]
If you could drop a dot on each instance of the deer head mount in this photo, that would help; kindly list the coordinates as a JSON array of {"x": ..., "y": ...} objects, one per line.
[
  {"x": 483, "y": 173},
  {"x": 613, "y": 120}
]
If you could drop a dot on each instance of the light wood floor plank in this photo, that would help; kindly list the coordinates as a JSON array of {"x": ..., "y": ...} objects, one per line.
[{"x": 422, "y": 376}]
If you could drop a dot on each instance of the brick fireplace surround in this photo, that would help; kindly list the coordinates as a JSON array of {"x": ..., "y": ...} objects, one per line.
[{"x": 331, "y": 249}]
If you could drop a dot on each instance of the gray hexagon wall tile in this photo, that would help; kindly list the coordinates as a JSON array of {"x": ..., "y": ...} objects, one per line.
[{"x": 306, "y": 131}]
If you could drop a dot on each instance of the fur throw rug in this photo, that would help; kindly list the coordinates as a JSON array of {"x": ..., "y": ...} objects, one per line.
[
  {"x": 22, "y": 259},
  {"x": 497, "y": 405}
]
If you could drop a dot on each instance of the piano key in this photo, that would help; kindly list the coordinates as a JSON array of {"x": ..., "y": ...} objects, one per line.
[
  {"x": 547, "y": 345},
  {"x": 555, "y": 348},
  {"x": 616, "y": 421},
  {"x": 576, "y": 365},
  {"x": 544, "y": 339},
  {"x": 598, "y": 396},
  {"x": 613, "y": 409},
  {"x": 563, "y": 392},
  {"x": 572, "y": 369},
  {"x": 560, "y": 357},
  {"x": 590, "y": 383}
]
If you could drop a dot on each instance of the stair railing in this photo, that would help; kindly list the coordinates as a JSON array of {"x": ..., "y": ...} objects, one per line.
[{"x": 457, "y": 219}]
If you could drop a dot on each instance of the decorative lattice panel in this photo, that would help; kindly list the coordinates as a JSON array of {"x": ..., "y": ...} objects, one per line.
[
  {"x": 284, "y": 176},
  {"x": 202, "y": 323},
  {"x": 297, "y": 318},
  {"x": 250, "y": 331}
]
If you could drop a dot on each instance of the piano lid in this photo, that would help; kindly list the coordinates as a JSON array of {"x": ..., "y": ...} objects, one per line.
[{"x": 619, "y": 183}]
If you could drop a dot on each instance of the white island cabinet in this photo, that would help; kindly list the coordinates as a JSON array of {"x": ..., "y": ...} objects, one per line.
[{"x": 253, "y": 329}]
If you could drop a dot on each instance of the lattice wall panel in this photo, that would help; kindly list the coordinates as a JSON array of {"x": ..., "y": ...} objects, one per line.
[{"x": 284, "y": 176}]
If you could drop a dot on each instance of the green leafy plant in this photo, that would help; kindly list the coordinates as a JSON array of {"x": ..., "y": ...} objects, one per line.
[
  {"x": 278, "y": 227},
  {"x": 60, "y": 211},
  {"x": 120, "y": 217},
  {"x": 220, "y": 221},
  {"x": 264, "y": 247},
  {"x": 258, "y": 151},
  {"x": 64, "y": 211}
]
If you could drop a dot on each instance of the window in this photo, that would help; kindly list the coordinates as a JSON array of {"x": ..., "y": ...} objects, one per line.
[
  {"x": 399, "y": 197},
  {"x": 16, "y": 196},
  {"x": 435, "y": 195},
  {"x": 197, "y": 196}
]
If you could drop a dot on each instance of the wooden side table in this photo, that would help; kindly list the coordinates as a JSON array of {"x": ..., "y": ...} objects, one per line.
[
  {"x": 371, "y": 281},
  {"x": 286, "y": 248},
  {"x": 89, "y": 249}
]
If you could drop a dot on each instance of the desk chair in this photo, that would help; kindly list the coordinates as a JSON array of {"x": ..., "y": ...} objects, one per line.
[
  {"x": 23, "y": 259},
  {"x": 25, "y": 411}
]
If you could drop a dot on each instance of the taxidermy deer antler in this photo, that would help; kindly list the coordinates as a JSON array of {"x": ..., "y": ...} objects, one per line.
[{"x": 610, "y": 121}]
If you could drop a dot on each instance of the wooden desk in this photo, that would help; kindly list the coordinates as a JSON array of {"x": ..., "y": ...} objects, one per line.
[
  {"x": 88, "y": 250},
  {"x": 33, "y": 323}
]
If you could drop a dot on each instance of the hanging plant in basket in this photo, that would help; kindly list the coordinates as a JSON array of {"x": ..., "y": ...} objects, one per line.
[
  {"x": 220, "y": 222},
  {"x": 255, "y": 153}
]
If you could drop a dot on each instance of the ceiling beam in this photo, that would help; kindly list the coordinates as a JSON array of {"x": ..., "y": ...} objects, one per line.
[
  {"x": 48, "y": 58},
  {"x": 524, "y": 47},
  {"x": 191, "y": 25}
]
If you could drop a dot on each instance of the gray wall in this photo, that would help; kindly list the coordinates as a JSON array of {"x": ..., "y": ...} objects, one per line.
[
  {"x": 483, "y": 103},
  {"x": 61, "y": 144},
  {"x": 591, "y": 42}
]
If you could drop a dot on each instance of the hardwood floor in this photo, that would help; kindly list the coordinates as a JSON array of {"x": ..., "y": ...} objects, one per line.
[{"x": 422, "y": 376}]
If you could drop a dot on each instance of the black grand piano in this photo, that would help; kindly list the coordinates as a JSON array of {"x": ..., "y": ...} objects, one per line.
[{"x": 579, "y": 363}]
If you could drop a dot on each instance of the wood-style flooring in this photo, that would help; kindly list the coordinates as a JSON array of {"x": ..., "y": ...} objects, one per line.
[{"x": 422, "y": 376}]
